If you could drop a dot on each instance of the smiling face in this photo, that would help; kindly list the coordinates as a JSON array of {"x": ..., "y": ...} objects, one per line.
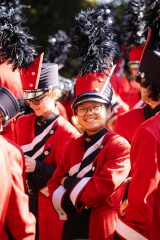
[
  {"x": 92, "y": 116},
  {"x": 42, "y": 106}
]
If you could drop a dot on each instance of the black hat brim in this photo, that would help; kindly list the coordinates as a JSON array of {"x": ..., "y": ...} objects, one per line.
[{"x": 89, "y": 97}]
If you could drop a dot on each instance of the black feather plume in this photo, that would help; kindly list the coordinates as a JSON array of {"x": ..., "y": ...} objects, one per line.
[
  {"x": 14, "y": 40},
  {"x": 133, "y": 24},
  {"x": 92, "y": 40},
  {"x": 15, "y": 4},
  {"x": 58, "y": 52},
  {"x": 152, "y": 14},
  {"x": 152, "y": 20}
]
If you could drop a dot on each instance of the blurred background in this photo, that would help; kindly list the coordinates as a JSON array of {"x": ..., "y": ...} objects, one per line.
[{"x": 46, "y": 17}]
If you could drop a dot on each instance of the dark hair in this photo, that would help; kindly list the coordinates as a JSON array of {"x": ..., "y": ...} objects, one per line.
[{"x": 152, "y": 86}]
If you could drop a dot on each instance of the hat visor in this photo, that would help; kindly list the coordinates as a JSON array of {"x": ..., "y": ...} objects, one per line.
[
  {"x": 88, "y": 97},
  {"x": 30, "y": 95},
  {"x": 134, "y": 65},
  {"x": 9, "y": 105}
]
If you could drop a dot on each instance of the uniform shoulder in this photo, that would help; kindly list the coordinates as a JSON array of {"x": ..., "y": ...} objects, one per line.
[
  {"x": 131, "y": 113},
  {"x": 150, "y": 127},
  {"x": 24, "y": 118},
  {"x": 10, "y": 146},
  {"x": 116, "y": 140},
  {"x": 73, "y": 143},
  {"x": 65, "y": 125}
]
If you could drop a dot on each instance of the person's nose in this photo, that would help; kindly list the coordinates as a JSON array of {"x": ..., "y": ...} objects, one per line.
[{"x": 89, "y": 111}]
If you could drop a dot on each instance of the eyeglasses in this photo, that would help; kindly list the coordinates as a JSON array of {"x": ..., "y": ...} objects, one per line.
[
  {"x": 95, "y": 109},
  {"x": 37, "y": 100}
]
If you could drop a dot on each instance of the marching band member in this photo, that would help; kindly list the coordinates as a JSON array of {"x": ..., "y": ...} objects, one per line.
[
  {"x": 87, "y": 186},
  {"x": 16, "y": 222},
  {"x": 44, "y": 134},
  {"x": 142, "y": 216}
]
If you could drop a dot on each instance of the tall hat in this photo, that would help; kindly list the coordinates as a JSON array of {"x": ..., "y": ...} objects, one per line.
[
  {"x": 150, "y": 60},
  {"x": 149, "y": 70},
  {"x": 133, "y": 28},
  {"x": 134, "y": 56},
  {"x": 93, "y": 44},
  {"x": 39, "y": 78},
  {"x": 8, "y": 105}
]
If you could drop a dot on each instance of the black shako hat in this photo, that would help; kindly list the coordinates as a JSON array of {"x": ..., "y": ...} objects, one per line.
[
  {"x": 94, "y": 46},
  {"x": 150, "y": 61},
  {"x": 39, "y": 78},
  {"x": 9, "y": 105}
]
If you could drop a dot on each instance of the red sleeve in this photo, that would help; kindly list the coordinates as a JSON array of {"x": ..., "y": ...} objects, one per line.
[
  {"x": 112, "y": 173},
  {"x": 119, "y": 126},
  {"x": 142, "y": 196},
  {"x": 21, "y": 223},
  {"x": 145, "y": 180}
]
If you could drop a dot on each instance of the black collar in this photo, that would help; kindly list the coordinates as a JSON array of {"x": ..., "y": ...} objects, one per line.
[
  {"x": 90, "y": 140},
  {"x": 150, "y": 112},
  {"x": 41, "y": 123}
]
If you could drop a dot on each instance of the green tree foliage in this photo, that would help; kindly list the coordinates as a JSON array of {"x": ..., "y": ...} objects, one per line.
[{"x": 45, "y": 17}]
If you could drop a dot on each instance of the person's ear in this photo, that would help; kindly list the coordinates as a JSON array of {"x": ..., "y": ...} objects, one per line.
[{"x": 56, "y": 94}]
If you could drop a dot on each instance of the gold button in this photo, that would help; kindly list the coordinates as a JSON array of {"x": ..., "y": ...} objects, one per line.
[
  {"x": 96, "y": 146},
  {"x": 33, "y": 73},
  {"x": 93, "y": 168},
  {"x": 52, "y": 131},
  {"x": 86, "y": 207},
  {"x": 31, "y": 84},
  {"x": 46, "y": 153}
]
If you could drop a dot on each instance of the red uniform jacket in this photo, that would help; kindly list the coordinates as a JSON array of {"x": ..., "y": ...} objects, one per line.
[
  {"x": 9, "y": 131},
  {"x": 127, "y": 123},
  {"x": 44, "y": 148},
  {"x": 101, "y": 191},
  {"x": 62, "y": 110},
  {"x": 129, "y": 91},
  {"x": 11, "y": 79},
  {"x": 142, "y": 217},
  {"x": 14, "y": 204},
  {"x": 68, "y": 106}
]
